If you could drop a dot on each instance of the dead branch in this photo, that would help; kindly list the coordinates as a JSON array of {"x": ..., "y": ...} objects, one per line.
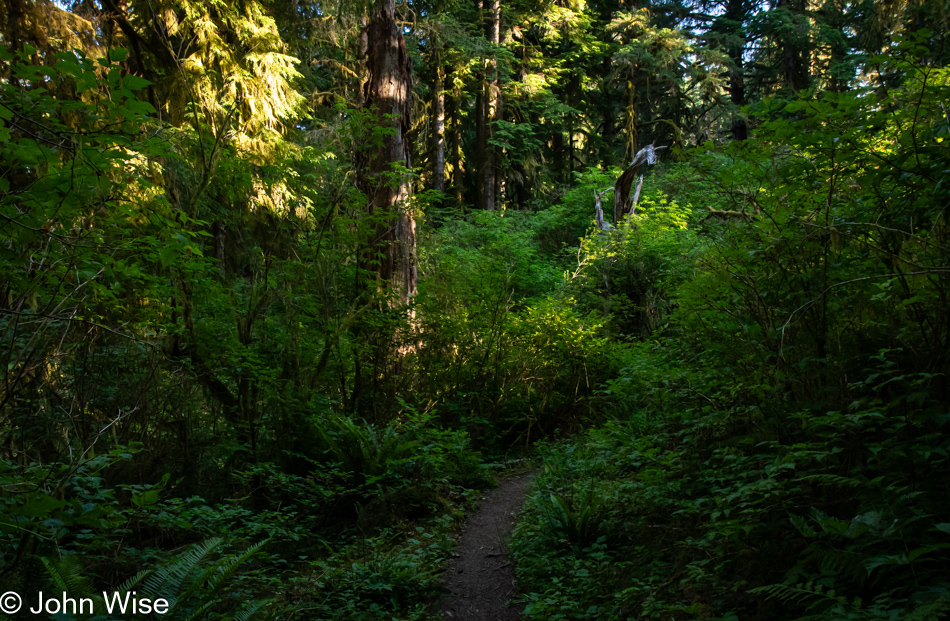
[{"x": 623, "y": 203}]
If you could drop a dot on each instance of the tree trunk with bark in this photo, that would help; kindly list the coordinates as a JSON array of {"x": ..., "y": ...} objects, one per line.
[
  {"x": 456, "y": 147},
  {"x": 438, "y": 131},
  {"x": 735, "y": 14},
  {"x": 488, "y": 109},
  {"x": 481, "y": 144},
  {"x": 495, "y": 111},
  {"x": 390, "y": 252}
]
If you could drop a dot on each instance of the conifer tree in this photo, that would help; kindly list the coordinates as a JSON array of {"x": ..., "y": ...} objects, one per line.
[{"x": 384, "y": 162}]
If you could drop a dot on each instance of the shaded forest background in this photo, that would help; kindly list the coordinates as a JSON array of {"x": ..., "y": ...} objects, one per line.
[{"x": 282, "y": 284}]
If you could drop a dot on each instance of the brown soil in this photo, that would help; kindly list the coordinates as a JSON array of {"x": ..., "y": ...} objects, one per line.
[{"x": 481, "y": 579}]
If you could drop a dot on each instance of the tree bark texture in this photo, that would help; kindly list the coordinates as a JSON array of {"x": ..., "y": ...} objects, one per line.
[
  {"x": 390, "y": 252},
  {"x": 438, "y": 132},
  {"x": 488, "y": 108},
  {"x": 495, "y": 110},
  {"x": 456, "y": 147},
  {"x": 481, "y": 143},
  {"x": 599, "y": 210}
]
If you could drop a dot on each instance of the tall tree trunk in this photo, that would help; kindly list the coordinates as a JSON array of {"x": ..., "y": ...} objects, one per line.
[
  {"x": 487, "y": 163},
  {"x": 740, "y": 130},
  {"x": 481, "y": 142},
  {"x": 495, "y": 110},
  {"x": 630, "y": 128},
  {"x": 497, "y": 155},
  {"x": 438, "y": 131},
  {"x": 839, "y": 74},
  {"x": 731, "y": 28},
  {"x": 607, "y": 139},
  {"x": 391, "y": 250},
  {"x": 794, "y": 47},
  {"x": 572, "y": 95},
  {"x": 570, "y": 145},
  {"x": 557, "y": 152},
  {"x": 456, "y": 147},
  {"x": 488, "y": 105}
]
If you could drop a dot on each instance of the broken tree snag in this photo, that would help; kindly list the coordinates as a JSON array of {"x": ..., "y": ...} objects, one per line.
[
  {"x": 390, "y": 251},
  {"x": 599, "y": 210},
  {"x": 623, "y": 203},
  {"x": 636, "y": 195}
]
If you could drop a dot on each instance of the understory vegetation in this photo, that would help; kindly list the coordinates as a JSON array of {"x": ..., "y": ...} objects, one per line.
[
  {"x": 778, "y": 448},
  {"x": 285, "y": 286}
]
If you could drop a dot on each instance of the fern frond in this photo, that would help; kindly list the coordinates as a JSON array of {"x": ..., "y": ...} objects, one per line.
[
  {"x": 166, "y": 582},
  {"x": 832, "y": 561},
  {"x": 66, "y": 574},
  {"x": 929, "y": 611},
  {"x": 808, "y": 594},
  {"x": 132, "y": 582},
  {"x": 833, "y": 480},
  {"x": 226, "y": 569},
  {"x": 250, "y": 609},
  {"x": 202, "y": 610}
]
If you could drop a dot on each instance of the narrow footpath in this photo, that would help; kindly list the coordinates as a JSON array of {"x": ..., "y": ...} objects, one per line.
[{"x": 481, "y": 579}]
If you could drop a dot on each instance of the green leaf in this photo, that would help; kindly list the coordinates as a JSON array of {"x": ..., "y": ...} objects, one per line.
[
  {"x": 168, "y": 256},
  {"x": 145, "y": 499},
  {"x": 39, "y": 507},
  {"x": 134, "y": 82}
]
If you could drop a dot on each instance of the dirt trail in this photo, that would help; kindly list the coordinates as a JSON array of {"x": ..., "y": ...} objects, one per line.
[{"x": 481, "y": 579}]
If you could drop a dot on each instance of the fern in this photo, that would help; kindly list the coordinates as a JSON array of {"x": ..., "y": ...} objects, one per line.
[
  {"x": 249, "y": 610},
  {"x": 365, "y": 450},
  {"x": 132, "y": 582},
  {"x": 929, "y": 611},
  {"x": 202, "y": 610},
  {"x": 809, "y": 594},
  {"x": 226, "y": 569},
  {"x": 831, "y": 561},
  {"x": 579, "y": 526},
  {"x": 166, "y": 582},
  {"x": 192, "y": 585},
  {"x": 66, "y": 575}
]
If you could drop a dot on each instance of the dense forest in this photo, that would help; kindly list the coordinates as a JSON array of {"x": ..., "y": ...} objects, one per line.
[{"x": 284, "y": 286}]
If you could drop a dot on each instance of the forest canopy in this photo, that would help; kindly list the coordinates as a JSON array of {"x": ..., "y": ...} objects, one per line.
[{"x": 284, "y": 285}]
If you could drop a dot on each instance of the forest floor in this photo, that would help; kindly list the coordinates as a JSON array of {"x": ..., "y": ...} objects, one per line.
[{"x": 481, "y": 579}]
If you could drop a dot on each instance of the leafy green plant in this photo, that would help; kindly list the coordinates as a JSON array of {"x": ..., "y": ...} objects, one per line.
[
  {"x": 67, "y": 576},
  {"x": 367, "y": 452},
  {"x": 578, "y": 525},
  {"x": 194, "y": 584}
]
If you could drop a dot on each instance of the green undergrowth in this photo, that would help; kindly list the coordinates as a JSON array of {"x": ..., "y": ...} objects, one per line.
[
  {"x": 776, "y": 447},
  {"x": 724, "y": 513},
  {"x": 394, "y": 574},
  {"x": 717, "y": 498},
  {"x": 361, "y": 535}
]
